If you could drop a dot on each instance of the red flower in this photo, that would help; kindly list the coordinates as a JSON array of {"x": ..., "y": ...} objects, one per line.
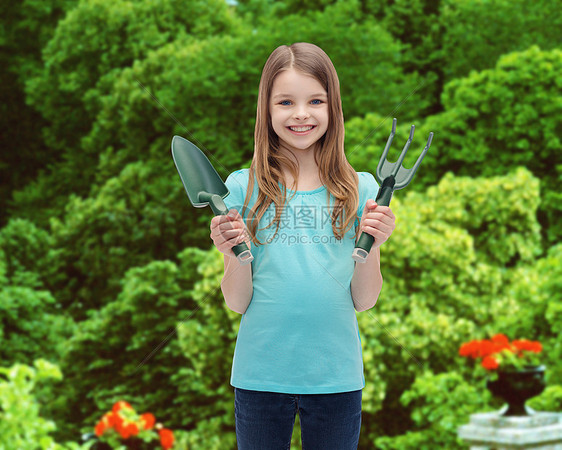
[
  {"x": 117, "y": 421},
  {"x": 106, "y": 422},
  {"x": 128, "y": 429},
  {"x": 499, "y": 351},
  {"x": 486, "y": 348},
  {"x": 500, "y": 339},
  {"x": 489, "y": 363},
  {"x": 112, "y": 418},
  {"x": 121, "y": 405},
  {"x": 100, "y": 428},
  {"x": 148, "y": 420},
  {"x": 501, "y": 342},
  {"x": 166, "y": 438},
  {"x": 526, "y": 345},
  {"x": 470, "y": 349},
  {"x": 131, "y": 424}
]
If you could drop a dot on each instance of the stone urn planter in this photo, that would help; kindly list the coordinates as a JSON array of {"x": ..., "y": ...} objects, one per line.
[{"x": 518, "y": 386}]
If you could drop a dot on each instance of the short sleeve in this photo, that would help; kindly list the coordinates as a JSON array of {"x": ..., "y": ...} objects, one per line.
[
  {"x": 368, "y": 189},
  {"x": 237, "y": 184}
]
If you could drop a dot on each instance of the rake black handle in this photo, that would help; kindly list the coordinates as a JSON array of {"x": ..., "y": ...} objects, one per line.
[{"x": 365, "y": 242}]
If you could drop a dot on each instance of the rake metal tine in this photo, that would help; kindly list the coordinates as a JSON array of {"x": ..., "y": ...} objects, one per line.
[
  {"x": 412, "y": 171},
  {"x": 403, "y": 154},
  {"x": 385, "y": 152}
]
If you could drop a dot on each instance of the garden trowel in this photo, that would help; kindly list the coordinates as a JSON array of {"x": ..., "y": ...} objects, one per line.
[{"x": 203, "y": 185}]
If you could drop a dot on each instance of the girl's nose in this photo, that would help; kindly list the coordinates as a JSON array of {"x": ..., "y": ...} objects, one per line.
[{"x": 301, "y": 113}]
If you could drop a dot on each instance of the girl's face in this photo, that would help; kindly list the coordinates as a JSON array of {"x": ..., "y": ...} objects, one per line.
[{"x": 299, "y": 110}]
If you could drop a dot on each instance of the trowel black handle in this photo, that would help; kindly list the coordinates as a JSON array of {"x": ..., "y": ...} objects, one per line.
[
  {"x": 365, "y": 242},
  {"x": 242, "y": 252}
]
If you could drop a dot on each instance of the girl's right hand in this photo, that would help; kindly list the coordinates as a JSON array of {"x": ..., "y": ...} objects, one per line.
[{"x": 228, "y": 231}]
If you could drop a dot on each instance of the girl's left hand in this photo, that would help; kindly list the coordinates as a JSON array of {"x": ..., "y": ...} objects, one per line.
[{"x": 378, "y": 221}]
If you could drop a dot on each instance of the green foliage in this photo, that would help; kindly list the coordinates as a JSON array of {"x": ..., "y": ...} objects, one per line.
[
  {"x": 469, "y": 232},
  {"x": 550, "y": 272},
  {"x": 98, "y": 38},
  {"x": 444, "y": 285},
  {"x": 24, "y": 246},
  {"x": 204, "y": 342},
  {"x": 22, "y": 424},
  {"x": 535, "y": 313},
  {"x": 92, "y": 44},
  {"x": 448, "y": 39},
  {"x": 31, "y": 322},
  {"x": 417, "y": 25},
  {"x": 27, "y": 327},
  {"x": 90, "y": 274},
  {"x": 440, "y": 403},
  {"x": 499, "y": 26},
  {"x": 549, "y": 400},
  {"x": 494, "y": 121},
  {"x": 25, "y": 28},
  {"x": 154, "y": 302},
  {"x": 506, "y": 117},
  {"x": 20, "y": 421},
  {"x": 129, "y": 222}
]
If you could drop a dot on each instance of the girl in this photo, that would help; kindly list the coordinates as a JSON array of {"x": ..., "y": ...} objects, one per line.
[{"x": 298, "y": 347}]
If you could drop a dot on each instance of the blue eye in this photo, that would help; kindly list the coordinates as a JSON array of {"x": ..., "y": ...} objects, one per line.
[
  {"x": 320, "y": 101},
  {"x": 285, "y": 101}
]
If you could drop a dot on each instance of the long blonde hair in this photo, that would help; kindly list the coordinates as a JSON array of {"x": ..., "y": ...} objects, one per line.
[{"x": 335, "y": 172}]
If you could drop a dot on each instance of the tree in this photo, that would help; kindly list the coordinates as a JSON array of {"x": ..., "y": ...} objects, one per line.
[
  {"x": 26, "y": 27},
  {"x": 31, "y": 321},
  {"x": 493, "y": 121},
  {"x": 90, "y": 46}
]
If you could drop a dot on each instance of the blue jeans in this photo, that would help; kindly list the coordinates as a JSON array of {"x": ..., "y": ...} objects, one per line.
[{"x": 265, "y": 420}]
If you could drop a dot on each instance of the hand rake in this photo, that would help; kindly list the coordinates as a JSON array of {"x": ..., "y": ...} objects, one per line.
[{"x": 390, "y": 176}]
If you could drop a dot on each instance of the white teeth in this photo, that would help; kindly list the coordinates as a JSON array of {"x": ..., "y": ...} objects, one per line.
[{"x": 301, "y": 128}]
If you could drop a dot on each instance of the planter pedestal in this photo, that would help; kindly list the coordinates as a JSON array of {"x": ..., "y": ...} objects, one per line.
[{"x": 493, "y": 431}]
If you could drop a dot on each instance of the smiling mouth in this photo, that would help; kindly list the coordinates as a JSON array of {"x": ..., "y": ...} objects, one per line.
[{"x": 302, "y": 129}]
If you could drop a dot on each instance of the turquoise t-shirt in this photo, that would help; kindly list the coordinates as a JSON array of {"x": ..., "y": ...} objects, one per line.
[{"x": 300, "y": 334}]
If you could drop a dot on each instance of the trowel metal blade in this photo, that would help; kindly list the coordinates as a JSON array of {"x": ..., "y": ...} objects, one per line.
[{"x": 196, "y": 171}]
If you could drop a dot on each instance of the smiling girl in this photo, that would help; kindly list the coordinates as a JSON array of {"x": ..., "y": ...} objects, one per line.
[{"x": 298, "y": 348}]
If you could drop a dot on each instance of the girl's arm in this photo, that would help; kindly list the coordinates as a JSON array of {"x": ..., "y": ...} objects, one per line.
[
  {"x": 366, "y": 283},
  {"x": 236, "y": 284}
]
